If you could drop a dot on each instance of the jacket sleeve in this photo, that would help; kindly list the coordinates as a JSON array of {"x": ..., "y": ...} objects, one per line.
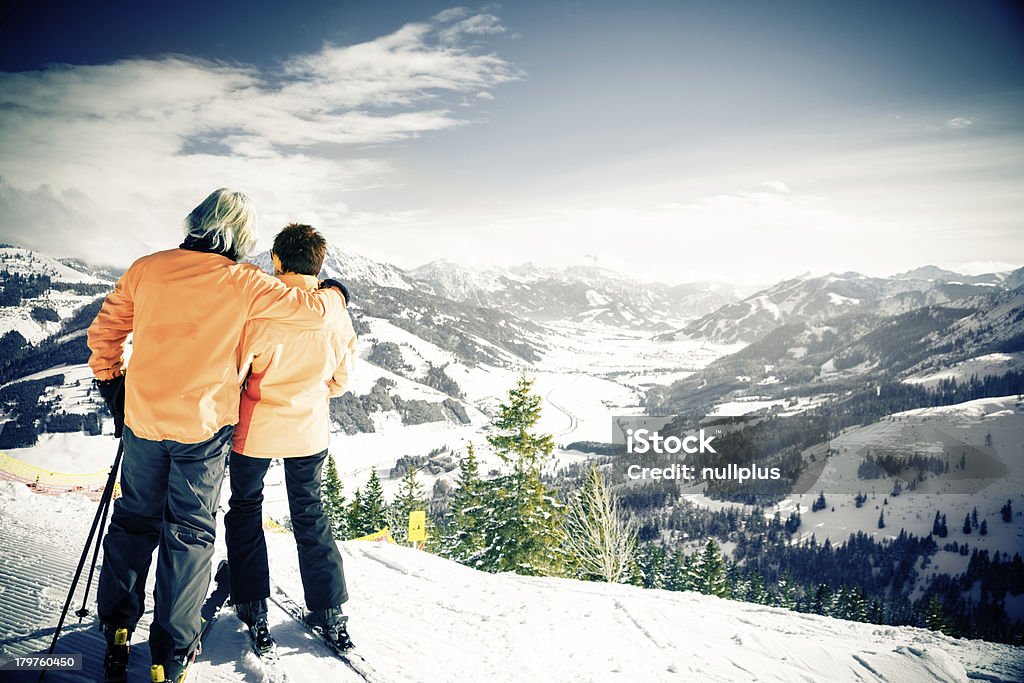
[
  {"x": 345, "y": 346},
  {"x": 267, "y": 298},
  {"x": 109, "y": 331}
]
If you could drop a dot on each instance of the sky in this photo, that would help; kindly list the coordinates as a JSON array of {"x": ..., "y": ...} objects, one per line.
[{"x": 677, "y": 141}]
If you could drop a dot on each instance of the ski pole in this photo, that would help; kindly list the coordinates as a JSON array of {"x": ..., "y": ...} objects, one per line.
[
  {"x": 108, "y": 491},
  {"x": 83, "y": 611}
]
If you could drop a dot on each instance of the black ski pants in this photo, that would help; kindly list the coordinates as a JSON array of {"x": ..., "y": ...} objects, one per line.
[{"x": 323, "y": 577}]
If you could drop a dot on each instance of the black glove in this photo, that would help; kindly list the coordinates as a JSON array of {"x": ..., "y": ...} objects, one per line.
[
  {"x": 112, "y": 391},
  {"x": 329, "y": 282}
]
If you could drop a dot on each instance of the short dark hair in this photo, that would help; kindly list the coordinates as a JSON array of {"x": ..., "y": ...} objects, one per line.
[{"x": 301, "y": 249}]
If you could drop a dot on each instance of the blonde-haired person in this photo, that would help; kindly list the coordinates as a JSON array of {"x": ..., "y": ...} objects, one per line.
[{"x": 185, "y": 309}]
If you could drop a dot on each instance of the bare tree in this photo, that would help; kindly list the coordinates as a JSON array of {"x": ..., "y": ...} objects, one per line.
[{"x": 599, "y": 540}]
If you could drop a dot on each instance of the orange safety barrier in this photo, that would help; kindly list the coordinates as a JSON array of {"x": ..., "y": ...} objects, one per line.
[{"x": 54, "y": 483}]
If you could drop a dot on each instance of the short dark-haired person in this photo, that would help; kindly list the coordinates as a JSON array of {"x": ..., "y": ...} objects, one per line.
[{"x": 284, "y": 413}]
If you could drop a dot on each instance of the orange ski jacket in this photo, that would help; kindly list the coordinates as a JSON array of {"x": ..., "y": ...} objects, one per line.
[
  {"x": 185, "y": 311},
  {"x": 285, "y": 402}
]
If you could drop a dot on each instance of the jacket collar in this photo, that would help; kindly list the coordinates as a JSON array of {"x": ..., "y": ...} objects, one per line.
[
  {"x": 305, "y": 282},
  {"x": 205, "y": 244}
]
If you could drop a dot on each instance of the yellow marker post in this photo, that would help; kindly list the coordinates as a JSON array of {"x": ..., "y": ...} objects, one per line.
[{"x": 417, "y": 527}]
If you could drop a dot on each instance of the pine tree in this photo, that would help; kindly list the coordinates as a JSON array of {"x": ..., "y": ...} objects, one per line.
[
  {"x": 514, "y": 443},
  {"x": 756, "y": 591},
  {"x": 333, "y": 501},
  {"x": 355, "y": 516},
  {"x": 881, "y": 519},
  {"x": 675, "y": 572},
  {"x": 876, "y": 613},
  {"x": 410, "y": 497},
  {"x": 1007, "y": 511},
  {"x": 373, "y": 513},
  {"x": 522, "y": 529},
  {"x": 649, "y": 568},
  {"x": 983, "y": 529},
  {"x": 598, "y": 540},
  {"x": 821, "y": 603},
  {"x": 935, "y": 617},
  {"x": 967, "y": 524},
  {"x": 463, "y": 535},
  {"x": 856, "y": 604},
  {"x": 785, "y": 593},
  {"x": 712, "y": 572}
]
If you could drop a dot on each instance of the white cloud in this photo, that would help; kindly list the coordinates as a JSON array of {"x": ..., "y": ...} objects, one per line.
[
  {"x": 982, "y": 267},
  {"x": 959, "y": 122},
  {"x": 776, "y": 185},
  {"x": 484, "y": 95},
  {"x": 451, "y": 14},
  {"x": 129, "y": 148},
  {"x": 476, "y": 25}
]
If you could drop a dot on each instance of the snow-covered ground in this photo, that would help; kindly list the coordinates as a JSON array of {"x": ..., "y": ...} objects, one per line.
[
  {"x": 994, "y": 474},
  {"x": 417, "y": 617},
  {"x": 20, "y": 319},
  {"x": 989, "y": 364}
]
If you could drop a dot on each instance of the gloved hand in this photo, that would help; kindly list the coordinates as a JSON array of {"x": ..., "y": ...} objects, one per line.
[
  {"x": 112, "y": 391},
  {"x": 330, "y": 282}
]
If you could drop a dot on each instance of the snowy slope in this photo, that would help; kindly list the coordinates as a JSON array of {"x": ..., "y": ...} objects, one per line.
[
  {"x": 582, "y": 293},
  {"x": 63, "y": 303},
  {"x": 987, "y": 364},
  {"x": 817, "y": 299},
  {"x": 28, "y": 262},
  {"x": 416, "y": 617},
  {"x": 20, "y": 318}
]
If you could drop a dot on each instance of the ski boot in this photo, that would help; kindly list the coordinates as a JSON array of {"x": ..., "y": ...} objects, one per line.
[
  {"x": 334, "y": 627},
  {"x": 174, "y": 670},
  {"x": 254, "y": 616},
  {"x": 115, "y": 661}
]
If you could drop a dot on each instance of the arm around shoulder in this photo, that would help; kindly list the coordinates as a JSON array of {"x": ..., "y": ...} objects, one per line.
[{"x": 267, "y": 298}]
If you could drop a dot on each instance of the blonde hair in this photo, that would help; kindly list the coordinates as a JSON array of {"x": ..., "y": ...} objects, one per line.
[{"x": 228, "y": 220}]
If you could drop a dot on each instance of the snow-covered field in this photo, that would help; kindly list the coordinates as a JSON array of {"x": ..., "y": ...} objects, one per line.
[
  {"x": 994, "y": 474},
  {"x": 63, "y": 303},
  {"x": 416, "y": 617},
  {"x": 989, "y": 364},
  {"x": 34, "y": 330}
]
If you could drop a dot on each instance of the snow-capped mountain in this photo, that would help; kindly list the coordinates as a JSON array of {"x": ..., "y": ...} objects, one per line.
[
  {"x": 817, "y": 299},
  {"x": 40, "y": 293},
  {"x": 473, "y": 333},
  {"x": 811, "y": 357},
  {"x": 586, "y": 293},
  {"x": 936, "y": 274},
  {"x": 28, "y": 262},
  {"x": 349, "y": 267}
]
